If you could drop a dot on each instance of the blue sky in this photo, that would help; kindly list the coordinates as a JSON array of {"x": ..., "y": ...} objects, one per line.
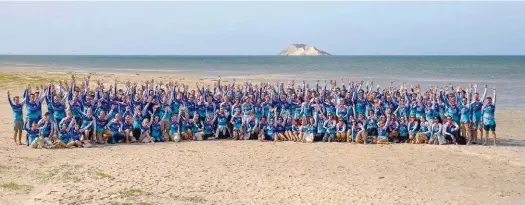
[{"x": 262, "y": 28}]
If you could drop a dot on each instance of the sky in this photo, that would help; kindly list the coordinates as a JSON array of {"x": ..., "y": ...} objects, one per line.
[{"x": 262, "y": 28}]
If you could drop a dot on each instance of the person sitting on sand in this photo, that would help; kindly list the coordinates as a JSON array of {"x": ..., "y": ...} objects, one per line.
[
  {"x": 64, "y": 135},
  {"x": 340, "y": 130},
  {"x": 87, "y": 118},
  {"x": 127, "y": 127},
  {"x": 145, "y": 136},
  {"x": 251, "y": 123},
  {"x": 393, "y": 129},
  {"x": 76, "y": 135},
  {"x": 279, "y": 127},
  {"x": 269, "y": 133},
  {"x": 156, "y": 129},
  {"x": 413, "y": 126},
  {"x": 436, "y": 132},
  {"x": 236, "y": 121},
  {"x": 116, "y": 133},
  {"x": 261, "y": 124},
  {"x": 288, "y": 128},
  {"x": 403, "y": 130},
  {"x": 450, "y": 129},
  {"x": 174, "y": 127},
  {"x": 310, "y": 129},
  {"x": 330, "y": 126},
  {"x": 423, "y": 135},
  {"x": 32, "y": 132},
  {"x": 47, "y": 126},
  {"x": 100, "y": 127},
  {"x": 207, "y": 128},
  {"x": 195, "y": 127},
  {"x": 382, "y": 131}
]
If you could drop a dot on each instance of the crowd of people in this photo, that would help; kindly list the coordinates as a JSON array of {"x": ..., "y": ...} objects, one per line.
[{"x": 79, "y": 114}]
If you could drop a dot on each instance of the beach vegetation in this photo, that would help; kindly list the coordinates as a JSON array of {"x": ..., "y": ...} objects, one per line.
[
  {"x": 16, "y": 187},
  {"x": 100, "y": 174},
  {"x": 126, "y": 203},
  {"x": 132, "y": 192}
]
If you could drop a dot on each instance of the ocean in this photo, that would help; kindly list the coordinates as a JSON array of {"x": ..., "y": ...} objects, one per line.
[{"x": 506, "y": 73}]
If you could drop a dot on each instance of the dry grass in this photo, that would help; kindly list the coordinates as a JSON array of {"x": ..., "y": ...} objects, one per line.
[
  {"x": 16, "y": 187},
  {"x": 132, "y": 193},
  {"x": 101, "y": 175}
]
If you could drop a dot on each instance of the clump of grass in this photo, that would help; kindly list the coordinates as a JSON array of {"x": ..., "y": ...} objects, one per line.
[
  {"x": 126, "y": 203},
  {"x": 192, "y": 199},
  {"x": 132, "y": 193},
  {"x": 506, "y": 193},
  {"x": 16, "y": 187},
  {"x": 63, "y": 172},
  {"x": 100, "y": 174},
  {"x": 3, "y": 167}
]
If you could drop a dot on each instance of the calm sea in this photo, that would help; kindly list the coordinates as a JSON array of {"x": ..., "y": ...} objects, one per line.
[{"x": 507, "y": 73}]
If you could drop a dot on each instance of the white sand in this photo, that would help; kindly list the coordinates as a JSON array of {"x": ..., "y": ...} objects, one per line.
[{"x": 250, "y": 172}]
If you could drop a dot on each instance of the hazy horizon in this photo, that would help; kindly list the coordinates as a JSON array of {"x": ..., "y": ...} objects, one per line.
[{"x": 262, "y": 28}]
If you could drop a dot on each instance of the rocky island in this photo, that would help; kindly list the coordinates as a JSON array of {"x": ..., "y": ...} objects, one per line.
[{"x": 302, "y": 50}]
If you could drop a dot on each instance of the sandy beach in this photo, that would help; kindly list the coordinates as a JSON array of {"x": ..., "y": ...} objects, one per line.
[{"x": 251, "y": 172}]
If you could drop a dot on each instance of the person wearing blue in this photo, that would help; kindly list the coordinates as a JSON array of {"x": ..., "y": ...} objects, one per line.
[
  {"x": 382, "y": 130},
  {"x": 115, "y": 134},
  {"x": 127, "y": 127},
  {"x": 251, "y": 123},
  {"x": 423, "y": 135},
  {"x": 465, "y": 118},
  {"x": 450, "y": 131},
  {"x": 237, "y": 122},
  {"x": 489, "y": 120},
  {"x": 330, "y": 127},
  {"x": 436, "y": 132},
  {"x": 76, "y": 135},
  {"x": 32, "y": 132},
  {"x": 156, "y": 128},
  {"x": 222, "y": 131},
  {"x": 47, "y": 126},
  {"x": 269, "y": 131},
  {"x": 33, "y": 106},
  {"x": 18, "y": 123},
  {"x": 476, "y": 106}
]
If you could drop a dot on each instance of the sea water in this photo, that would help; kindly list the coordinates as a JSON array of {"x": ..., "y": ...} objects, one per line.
[{"x": 506, "y": 73}]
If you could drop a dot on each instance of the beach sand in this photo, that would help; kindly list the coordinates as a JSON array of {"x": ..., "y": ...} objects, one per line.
[{"x": 251, "y": 172}]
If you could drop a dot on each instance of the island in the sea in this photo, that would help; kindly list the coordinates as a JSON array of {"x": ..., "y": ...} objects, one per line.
[{"x": 302, "y": 50}]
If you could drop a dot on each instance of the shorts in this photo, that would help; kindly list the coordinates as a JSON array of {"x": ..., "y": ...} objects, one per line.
[
  {"x": 319, "y": 137},
  {"x": 118, "y": 136},
  {"x": 136, "y": 133},
  {"x": 371, "y": 132},
  {"x": 489, "y": 127},
  {"x": 18, "y": 125},
  {"x": 104, "y": 132},
  {"x": 33, "y": 120},
  {"x": 403, "y": 138},
  {"x": 476, "y": 124},
  {"x": 166, "y": 124},
  {"x": 45, "y": 135},
  {"x": 268, "y": 137},
  {"x": 207, "y": 136}
]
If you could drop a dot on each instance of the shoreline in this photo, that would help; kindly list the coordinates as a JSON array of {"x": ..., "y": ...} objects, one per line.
[{"x": 46, "y": 75}]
